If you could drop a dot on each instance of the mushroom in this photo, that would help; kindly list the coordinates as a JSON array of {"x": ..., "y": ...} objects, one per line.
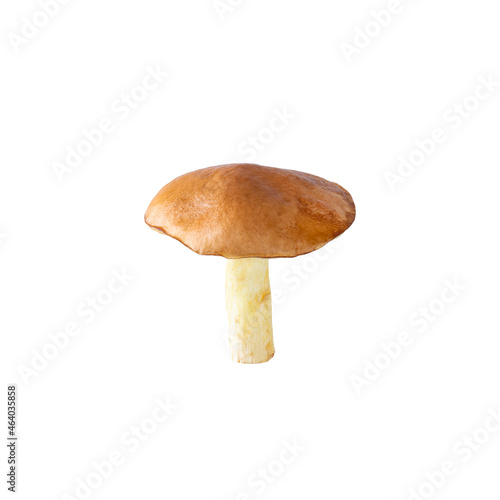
[{"x": 249, "y": 214}]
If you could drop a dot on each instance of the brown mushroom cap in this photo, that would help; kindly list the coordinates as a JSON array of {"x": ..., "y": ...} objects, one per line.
[{"x": 245, "y": 210}]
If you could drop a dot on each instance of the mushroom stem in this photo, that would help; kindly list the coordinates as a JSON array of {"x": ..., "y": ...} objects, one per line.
[{"x": 248, "y": 305}]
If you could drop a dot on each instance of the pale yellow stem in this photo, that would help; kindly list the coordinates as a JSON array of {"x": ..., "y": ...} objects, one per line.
[{"x": 248, "y": 304}]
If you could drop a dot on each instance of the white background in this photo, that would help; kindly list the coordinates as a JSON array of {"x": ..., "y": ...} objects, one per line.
[{"x": 163, "y": 335}]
